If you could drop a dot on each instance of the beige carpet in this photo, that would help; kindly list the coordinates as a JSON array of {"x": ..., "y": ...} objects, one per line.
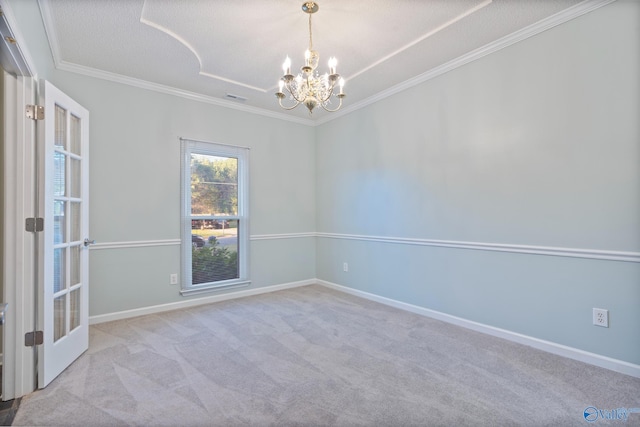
[{"x": 314, "y": 356}]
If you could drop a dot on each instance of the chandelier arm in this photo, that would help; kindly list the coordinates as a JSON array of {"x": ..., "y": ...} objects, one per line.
[
  {"x": 335, "y": 109},
  {"x": 288, "y": 108}
]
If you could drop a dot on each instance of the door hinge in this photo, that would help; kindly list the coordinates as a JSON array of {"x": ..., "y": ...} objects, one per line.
[
  {"x": 35, "y": 112},
  {"x": 34, "y": 225},
  {"x": 32, "y": 339}
]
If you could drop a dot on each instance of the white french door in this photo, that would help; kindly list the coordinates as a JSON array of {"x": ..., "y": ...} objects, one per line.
[{"x": 63, "y": 314}]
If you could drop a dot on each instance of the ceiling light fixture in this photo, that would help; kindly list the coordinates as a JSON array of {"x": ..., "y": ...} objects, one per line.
[{"x": 308, "y": 87}]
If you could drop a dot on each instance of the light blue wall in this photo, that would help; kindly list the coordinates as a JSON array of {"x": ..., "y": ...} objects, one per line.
[
  {"x": 537, "y": 144},
  {"x": 135, "y": 181},
  {"x": 135, "y": 188}
]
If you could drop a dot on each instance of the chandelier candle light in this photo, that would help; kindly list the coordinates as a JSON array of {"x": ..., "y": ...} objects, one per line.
[{"x": 308, "y": 87}]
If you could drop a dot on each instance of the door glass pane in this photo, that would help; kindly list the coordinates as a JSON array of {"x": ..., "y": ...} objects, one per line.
[
  {"x": 59, "y": 270},
  {"x": 75, "y": 135},
  {"x": 75, "y": 220},
  {"x": 59, "y": 317},
  {"x": 214, "y": 185},
  {"x": 75, "y": 178},
  {"x": 59, "y": 223},
  {"x": 74, "y": 309},
  {"x": 74, "y": 265},
  {"x": 59, "y": 174},
  {"x": 61, "y": 128}
]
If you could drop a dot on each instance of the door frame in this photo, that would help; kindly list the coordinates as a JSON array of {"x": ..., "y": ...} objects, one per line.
[
  {"x": 19, "y": 202},
  {"x": 19, "y": 281}
]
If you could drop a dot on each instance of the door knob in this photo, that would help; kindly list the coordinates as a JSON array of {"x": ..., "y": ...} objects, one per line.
[{"x": 88, "y": 242}]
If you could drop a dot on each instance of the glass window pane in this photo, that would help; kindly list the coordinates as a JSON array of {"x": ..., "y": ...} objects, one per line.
[
  {"x": 75, "y": 265},
  {"x": 75, "y": 221},
  {"x": 61, "y": 128},
  {"x": 59, "y": 174},
  {"x": 214, "y": 215},
  {"x": 59, "y": 223},
  {"x": 75, "y": 135},
  {"x": 75, "y": 178},
  {"x": 59, "y": 270},
  {"x": 59, "y": 317},
  {"x": 74, "y": 309},
  {"x": 214, "y": 255},
  {"x": 214, "y": 185}
]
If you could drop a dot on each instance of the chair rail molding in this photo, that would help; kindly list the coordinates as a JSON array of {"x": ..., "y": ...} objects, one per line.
[
  {"x": 599, "y": 254},
  {"x": 608, "y": 255}
]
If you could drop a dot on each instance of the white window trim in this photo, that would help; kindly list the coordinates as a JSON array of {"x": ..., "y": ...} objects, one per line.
[{"x": 188, "y": 147}]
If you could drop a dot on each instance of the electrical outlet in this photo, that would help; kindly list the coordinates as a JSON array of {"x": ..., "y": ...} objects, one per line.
[
  {"x": 173, "y": 279},
  {"x": 601, "y": 317},
  {"x": 345, "y": 267}
]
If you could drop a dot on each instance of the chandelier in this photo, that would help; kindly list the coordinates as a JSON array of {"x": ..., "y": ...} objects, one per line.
[{"x": 309, "y": 87}]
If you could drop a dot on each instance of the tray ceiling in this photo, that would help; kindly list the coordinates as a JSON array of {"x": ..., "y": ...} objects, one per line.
[{"x": 211, "y": 48}]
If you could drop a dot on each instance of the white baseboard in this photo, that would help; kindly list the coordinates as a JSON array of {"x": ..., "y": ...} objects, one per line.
[
  {"x": 548, "y": 346},
  {"x": 126, "y": 314}
]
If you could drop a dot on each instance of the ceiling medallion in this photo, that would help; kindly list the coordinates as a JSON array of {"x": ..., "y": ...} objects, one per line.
[{"x": 309, "y": 87}]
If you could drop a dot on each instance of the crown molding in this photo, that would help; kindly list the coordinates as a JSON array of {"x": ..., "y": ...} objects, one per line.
[
  {"x": 50, "y": 31},
  {"x": 506, "y": 41},
  {"x": 193, "y": 96}
]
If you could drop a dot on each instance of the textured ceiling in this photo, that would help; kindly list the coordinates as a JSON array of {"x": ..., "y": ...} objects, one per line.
[{"x": 217, "y": 47}]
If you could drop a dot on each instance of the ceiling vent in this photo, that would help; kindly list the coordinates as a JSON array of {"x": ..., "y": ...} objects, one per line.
[{"x": 236, "y": 98}]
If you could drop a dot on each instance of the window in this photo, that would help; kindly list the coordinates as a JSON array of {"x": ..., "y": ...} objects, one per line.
[{"x": 214, "y": 216}]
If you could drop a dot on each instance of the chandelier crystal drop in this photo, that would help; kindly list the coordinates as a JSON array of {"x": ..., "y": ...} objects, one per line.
[{"x": 309, "y": 87}]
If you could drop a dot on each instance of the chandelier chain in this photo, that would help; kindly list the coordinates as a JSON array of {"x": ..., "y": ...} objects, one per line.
[{"x": 310, "y": 35}]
